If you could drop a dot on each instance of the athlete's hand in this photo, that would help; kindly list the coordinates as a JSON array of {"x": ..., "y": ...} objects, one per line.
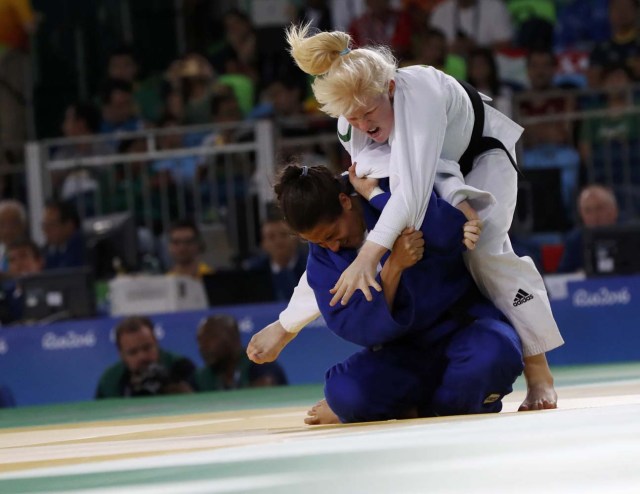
[
  {"x": 266, "y": 344},
  {"x": 408, "y": 249},
  {"x": 471, "y": 233},
  {"x": 364, "y": 186},
  {"x": 360, "y": 275}
]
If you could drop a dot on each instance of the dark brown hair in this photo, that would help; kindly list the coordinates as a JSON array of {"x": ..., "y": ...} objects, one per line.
[
  {"x": 132, "y": 324},
  {"x": 308, "y": 196}
]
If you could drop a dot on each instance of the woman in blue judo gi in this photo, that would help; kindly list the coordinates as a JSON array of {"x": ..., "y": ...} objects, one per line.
[{"x": 433, "y": 344}]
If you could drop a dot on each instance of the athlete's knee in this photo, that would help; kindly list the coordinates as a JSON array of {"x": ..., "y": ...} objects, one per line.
[
  {"x": 499, "y": 354},
  {"x": 484, "y": 362},
  {"x": 346, "y": 396}
]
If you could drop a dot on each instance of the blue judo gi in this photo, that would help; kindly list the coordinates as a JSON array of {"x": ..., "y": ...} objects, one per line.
[{"x": 443, "y": 350}]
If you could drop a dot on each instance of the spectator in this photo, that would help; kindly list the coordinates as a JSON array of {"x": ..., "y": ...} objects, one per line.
[
  {"x": 226, "y": 364},
  {"x": 144, "y": 369},
  {"x": 431, "y": 49},
  {"x": 482, "y": 73},
  {"x": 597, "y": 206},
  {"x": 383, "y": 25},
  {"x": 195, "y": 79},
  {"x": 238, "y": 53},
  {"x": 123, "y": 66},
  {"x": 182, "y": 169},
  {"x": 64, "y": 247},
  {"x": 623, "y": 48},
  {"x": 119, "y": 113},
  {"x": 282, "y": 256},
  {"x": 13, "y": 225},
  {"x": 25, "y": 259},
  {"x": 80, "y": 120},
  {"x": 185, "y": 247},
  {"x": 541, "y": 67},
  {"x": 549, "y": 144},
  {"x": 609, "y": 145},
  {"x": 471, "y": 23}
]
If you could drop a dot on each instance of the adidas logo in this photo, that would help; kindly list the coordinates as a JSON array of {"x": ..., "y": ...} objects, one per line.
[{"x": 521, "y": 297}]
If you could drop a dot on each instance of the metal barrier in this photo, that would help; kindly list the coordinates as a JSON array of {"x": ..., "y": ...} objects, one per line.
[
  {"x": 225, "y": 179},
  {"x": 230, "y": 182}
]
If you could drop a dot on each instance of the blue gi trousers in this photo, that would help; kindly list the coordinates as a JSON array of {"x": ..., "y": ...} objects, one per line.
[{"x": 466, "y": 372}]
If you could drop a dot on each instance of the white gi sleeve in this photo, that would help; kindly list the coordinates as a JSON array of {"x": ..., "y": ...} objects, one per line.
[
  {"x": 302, "y": 308},
  {"x": 420, "y": 121},
  {"x": 450, "y": 186}
]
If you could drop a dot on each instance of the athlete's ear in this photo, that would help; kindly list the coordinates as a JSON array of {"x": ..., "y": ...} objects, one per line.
[
  {"x": 392, "y": 88},
  {"x": 345, "y": 202}
]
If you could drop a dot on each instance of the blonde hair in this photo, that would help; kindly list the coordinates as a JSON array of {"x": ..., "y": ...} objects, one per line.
[{"x": 347, "y": 78}]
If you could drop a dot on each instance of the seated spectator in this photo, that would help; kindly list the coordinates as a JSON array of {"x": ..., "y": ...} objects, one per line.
[
  {"x": 431, "y": 49},
  {"x": 140, "y": 189},
  {"x": 597, "y": 206},
  {"x": 548, "y": 144},
  {"x": 123, "y": 65},
  {"x": 13, "y": 226},
  {"x": 471, "y": 23},
  {"x": 238, "y": 53},
  {"x": 119, "y": 113},
  {"x": 25, "y": 259},
  {"x": 145, "y": 369},
  {"x": 79, "y": 185},
  {"x": 226, "y": 363},
  {"x": 192, "y": 79},
  {"x": 185, "y": 247},
  {"x": 382, "y": 25},
  {"x": 64, "y": 247},
  {"x": 282, "y": 255},
  {"x": 482, "y": 73},
  {"x": 623, "y": 48},
  {"x": 181, "y": 168},
  {"x": 609, "y": 145}
]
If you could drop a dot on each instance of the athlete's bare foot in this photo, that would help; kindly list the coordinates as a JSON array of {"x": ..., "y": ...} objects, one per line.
[
  {"x": 321, "y": 414},
  {"x": 541, "y": 395},
  {"x": 266, "y": 344}
]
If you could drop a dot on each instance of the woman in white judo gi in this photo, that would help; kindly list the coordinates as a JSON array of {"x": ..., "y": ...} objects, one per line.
[{"x": 415, "y": 125}]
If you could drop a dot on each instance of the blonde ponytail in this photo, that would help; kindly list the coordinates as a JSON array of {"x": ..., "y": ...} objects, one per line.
[
  {"x": 315, "y": 54},
  {"x": 348, "y": 78}
]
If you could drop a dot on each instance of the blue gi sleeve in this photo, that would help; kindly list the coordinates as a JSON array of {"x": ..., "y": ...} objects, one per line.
[
  {"x": 360, "y": 322},
  {"x": 442, "y": 225}
]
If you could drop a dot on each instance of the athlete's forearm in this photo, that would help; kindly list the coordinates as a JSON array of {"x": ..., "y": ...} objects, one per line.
[
  {"x": 390, "y": 277},
  {"x": 372, "y": 252}
]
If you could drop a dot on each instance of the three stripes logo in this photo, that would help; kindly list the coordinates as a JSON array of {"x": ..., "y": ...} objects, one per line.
[{"x": 521, "y": 297}]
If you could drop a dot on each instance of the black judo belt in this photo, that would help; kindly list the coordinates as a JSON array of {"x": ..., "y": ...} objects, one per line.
[{"x": 479, "y": 144}]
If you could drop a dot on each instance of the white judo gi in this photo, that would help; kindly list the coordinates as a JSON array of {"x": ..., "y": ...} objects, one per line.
[{"x": 433, "y": 122}]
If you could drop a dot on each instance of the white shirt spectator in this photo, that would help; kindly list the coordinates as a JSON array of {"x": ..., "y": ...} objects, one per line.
[{"x": 486, "y": 22}]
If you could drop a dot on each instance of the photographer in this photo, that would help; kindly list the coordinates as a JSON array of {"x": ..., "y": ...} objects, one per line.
[{"x": 145, "y": 369}]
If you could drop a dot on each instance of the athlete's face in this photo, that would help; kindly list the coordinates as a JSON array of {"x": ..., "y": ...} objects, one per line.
[
  {"x": 346, "y": 232},
  {"x": 375, "y": 118}
]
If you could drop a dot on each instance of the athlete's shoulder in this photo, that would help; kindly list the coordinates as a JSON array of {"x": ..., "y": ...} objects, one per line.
[{"x": 344, "y": 129}]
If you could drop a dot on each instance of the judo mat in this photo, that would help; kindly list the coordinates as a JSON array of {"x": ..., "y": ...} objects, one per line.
[{"x": 255, "y": 441}]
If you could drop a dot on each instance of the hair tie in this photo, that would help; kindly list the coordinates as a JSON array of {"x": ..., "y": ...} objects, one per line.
[
  {"x": 305, "y": 170},
  {"x": 344, "y": 52}
]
